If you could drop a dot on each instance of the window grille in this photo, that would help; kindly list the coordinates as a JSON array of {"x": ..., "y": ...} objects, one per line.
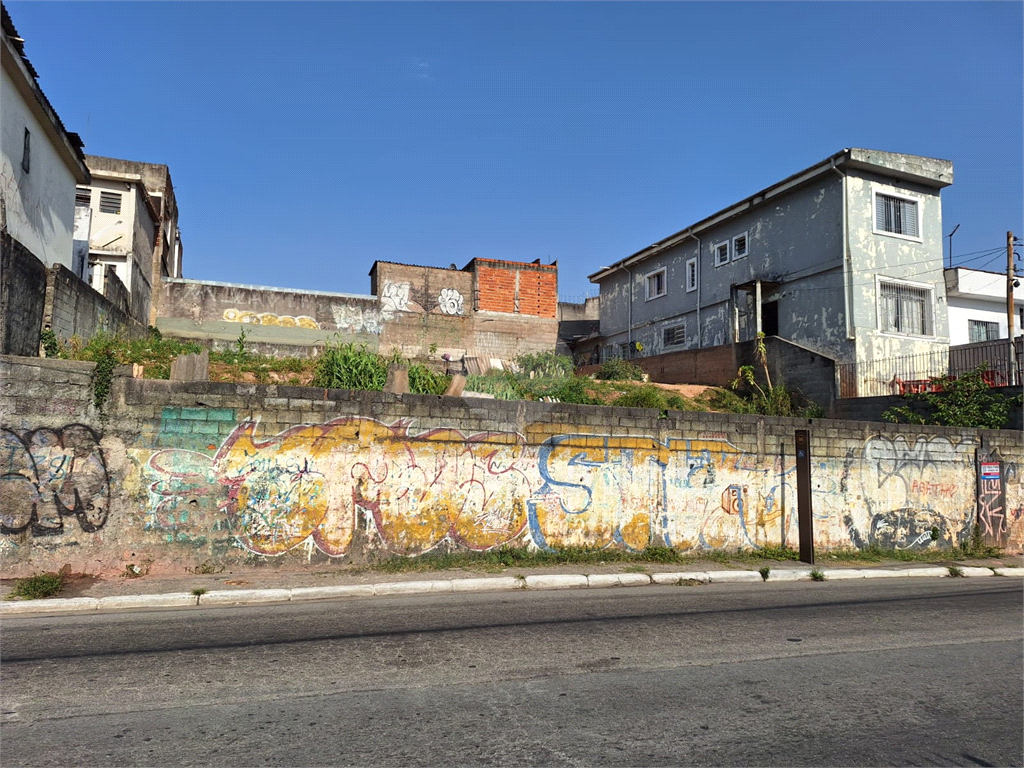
[
  {"x": 691, "y": 275},
  {"x": 83, "y": 197},
  {"x": 110, "y": 202},
  {"x": 674, "y": 335},
  {"x": 722, "y": 254},
  {"x": 905, "y": 309},
  {"x": 656, "y": 284},
  {"x": 982, "y": 330},
  {"x": 896, "y": 214},
  {"x": 739, "y": 246}
]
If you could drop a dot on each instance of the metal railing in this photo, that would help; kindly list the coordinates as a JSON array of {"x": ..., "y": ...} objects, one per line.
[{"x": 913, "y": 373}]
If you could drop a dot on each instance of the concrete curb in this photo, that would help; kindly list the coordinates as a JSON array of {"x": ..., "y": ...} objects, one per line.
[{"x": 490, "y": 584}]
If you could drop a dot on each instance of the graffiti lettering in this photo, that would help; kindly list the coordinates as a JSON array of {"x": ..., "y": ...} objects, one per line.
[{"x": 49, "y": 474}]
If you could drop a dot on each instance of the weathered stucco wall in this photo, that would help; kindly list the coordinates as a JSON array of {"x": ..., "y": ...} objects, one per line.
[
  {"x": 173, "y": 475},
  {"x": 22, "y": 298}
]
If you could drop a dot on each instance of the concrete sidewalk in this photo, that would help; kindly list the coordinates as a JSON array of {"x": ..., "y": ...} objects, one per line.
[{"x": 264, "y": 585}]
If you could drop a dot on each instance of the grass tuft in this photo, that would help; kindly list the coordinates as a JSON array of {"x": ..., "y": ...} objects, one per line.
[
  {"x": 38, "y": 587},
  {"x": 817, "y": 575}
]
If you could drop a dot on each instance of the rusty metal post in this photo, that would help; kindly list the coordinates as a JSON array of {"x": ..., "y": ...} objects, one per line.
[{"x": 803, "y": 495}]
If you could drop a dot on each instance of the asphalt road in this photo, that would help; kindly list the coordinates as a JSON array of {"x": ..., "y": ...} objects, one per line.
[{"x": 900, "y": 672}]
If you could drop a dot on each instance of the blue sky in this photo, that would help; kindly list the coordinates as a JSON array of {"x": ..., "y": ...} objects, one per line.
[{"x": 307, "y": 140}]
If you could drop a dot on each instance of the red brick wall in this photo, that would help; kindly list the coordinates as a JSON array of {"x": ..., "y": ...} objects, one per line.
[{"x": 500, "y": 283}]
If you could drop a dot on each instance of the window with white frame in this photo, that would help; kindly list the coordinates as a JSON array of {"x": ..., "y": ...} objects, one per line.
[
  {"x": 691, "y": 274},
  {"x": 721, "y": 253},
  {"x": 656, "y": 284},
  {"x": 897, "y": 215},
  {"x": 674, "y": 335},
  {"x": 982, "y": 330},
  {"x": 110, "y": 202},
  {"x": 739, "y": 246},
  {"x": 905, "y": 308}
]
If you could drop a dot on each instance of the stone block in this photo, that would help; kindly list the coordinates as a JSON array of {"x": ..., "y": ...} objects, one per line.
[
  {"x": 556, "y": 581},
  {"x": 331, "y": 593},
  {"x": 727, "y": 577},
  {"x": 618, "y": 580},
  {"x": 411, "y": 587},
  {"x": 191, "y": 367},
  {"x": 397, "y": 381},
  {"x": 242, "y": 596},
  {"x": 499, "y": 583},
  {"x": 193, "y": 414},
  {"x": 679, "y": 577}
]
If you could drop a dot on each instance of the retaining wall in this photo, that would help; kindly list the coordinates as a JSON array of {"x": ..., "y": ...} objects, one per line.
[{"x": 171, "y": 475}]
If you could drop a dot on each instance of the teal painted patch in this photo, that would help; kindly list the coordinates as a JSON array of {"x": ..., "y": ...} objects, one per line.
[
  {"x": 220, "y": 414},
  {"x": 171, "y": 413},
  {"x": 206, "y": 428},
  {"x": 194, "y": 414}
]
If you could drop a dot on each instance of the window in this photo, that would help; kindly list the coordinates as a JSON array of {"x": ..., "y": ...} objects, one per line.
[
  {"x": 691, "y": 274},
  {"x": 896, "y": 215},
  {"x": 656, "y": 285},
  {"x": 982, "y": 330},
  {"x": 624, "y": 351},
  {"x": 83, "y": 197},
  {"x": 739, "y": 246},
  {"x": 674, "y": 335},
  {"x": 110, "y": 202},
  {"x": 905, "y": 309},
  {"x": 722, "y": 254},
  {"x": 26, "y": 151}
]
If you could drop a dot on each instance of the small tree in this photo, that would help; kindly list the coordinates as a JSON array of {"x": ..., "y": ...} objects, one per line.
[
  {"x": 967, "y": 401},
  {"x": 768, "y": 400}
]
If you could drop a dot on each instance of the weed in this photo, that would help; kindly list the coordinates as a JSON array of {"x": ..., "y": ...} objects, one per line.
[
  {"x": 37, "y": 587},
  {"x": 643, "y": 397},
  {"x": 635, "y": 569},
  {"x": 683, "y": 582},
  {"x": 955, "y": 571},
  {"x": 206, "y": 568},
  {"x": 49, "y": 341},
  {"x": 764, "y": 571},
  {"x": 817, "y": 575},
  {"x": 546, "y": 365},
  {"x": 199, "y": 591},
  {"x": 619, "y": 370}
]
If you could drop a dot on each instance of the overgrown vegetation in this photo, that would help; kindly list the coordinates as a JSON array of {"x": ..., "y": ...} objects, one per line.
[
  {"x": 38, "y": 587},
  {"x": 964, "y": 401},
  {"x": 348, "y": 366},
  {"x": 768, "y": 400},
  {"x": 619, "y": 370}
]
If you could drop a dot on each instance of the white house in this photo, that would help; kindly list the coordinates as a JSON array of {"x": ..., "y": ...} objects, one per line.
[
  {"x": 976, "y": 302},
  {"x": 40, "y": 161}
]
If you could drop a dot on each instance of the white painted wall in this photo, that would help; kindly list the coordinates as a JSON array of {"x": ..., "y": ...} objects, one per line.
[
  {"x": 976, "y": 295},
  {"x": 40, "y": 204}
]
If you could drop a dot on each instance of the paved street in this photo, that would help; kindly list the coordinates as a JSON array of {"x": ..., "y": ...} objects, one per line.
[{"x": 888, "y": 672}]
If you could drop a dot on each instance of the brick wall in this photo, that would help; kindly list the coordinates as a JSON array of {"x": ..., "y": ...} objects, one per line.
[
  {"x": 175, "y": 474},
  {"x": 713, "y": 366},
  {"x": 22, "y": 298},
  {"x": 515, "y": 287}
]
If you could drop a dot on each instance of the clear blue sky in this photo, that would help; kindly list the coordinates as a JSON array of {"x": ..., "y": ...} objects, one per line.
[{"x": 306, "y": 141}]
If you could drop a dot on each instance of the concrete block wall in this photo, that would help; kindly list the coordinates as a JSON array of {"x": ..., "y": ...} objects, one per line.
[
  {"x": 22, "y": 298},
  {"x": 173, "y": 475},
  {"x": 75, "y": 308}
]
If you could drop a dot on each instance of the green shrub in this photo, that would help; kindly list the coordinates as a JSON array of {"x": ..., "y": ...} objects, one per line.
[
  {"x": 40, "y": 586},
  {"x": 545, "y": 365},
  {"x": 619, "y": 370},
  {"x": 642, "y": 397},
  {"x": 423, "y": 381},
  {"x": 346, "y": 366},
  {"x": 573, "y": 390},
  {"x": 502, "y": 384},
  {"x": 967, "y": 401}
]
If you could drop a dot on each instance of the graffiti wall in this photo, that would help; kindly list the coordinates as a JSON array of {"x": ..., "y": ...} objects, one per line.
[{"x": 261, "y": 474}]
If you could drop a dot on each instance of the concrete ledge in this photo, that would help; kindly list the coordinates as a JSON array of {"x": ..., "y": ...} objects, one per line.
[
  {"x": 171, "y": 600},
  {"x": 883, "y": 573},
  {"x": 1010, "y": 572},
  {"x": 975, "y": 572},
  {"x": 411, "y": 587},
  {"x": 618, "y": 580},
  {"x": 326, "y": 593},
  {"x": 838, "y": 574},
  {"x": 676, "y": 578},
  {"x": 497, "y": 584},
  {"x": 726, "y": 577},
  {"x": 241, "y": 596},
  {"x": 556, "y": 581},
  {"x": 929, "y": 571},
  {"x": 791, "y": 574},
  {"x": 56, "y": 605}
]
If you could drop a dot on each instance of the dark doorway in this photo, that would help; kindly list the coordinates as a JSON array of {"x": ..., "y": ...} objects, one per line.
[{"x": 770, "y": 318}]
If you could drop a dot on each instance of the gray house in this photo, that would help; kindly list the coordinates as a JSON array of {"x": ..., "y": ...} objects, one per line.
[{"x": 843, "y": 258}]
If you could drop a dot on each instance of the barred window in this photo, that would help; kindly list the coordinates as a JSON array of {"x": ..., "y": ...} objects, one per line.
[
  {"x": 722, "y": 254},
  {"x": 691, "y": 274},
  {"x": 905, "y": 309},
  {"x": 897, "y": 215},
  {"x": 982, "y": 330},
  {"x": 110, "y": 202},
  {"x": 674, "y": 335},
  {"x": 83, "y": 196},
  {"x": 739, "y": 246}
]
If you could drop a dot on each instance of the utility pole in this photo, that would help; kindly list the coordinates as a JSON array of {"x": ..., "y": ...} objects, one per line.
[{"x": 1009, "y": 304}]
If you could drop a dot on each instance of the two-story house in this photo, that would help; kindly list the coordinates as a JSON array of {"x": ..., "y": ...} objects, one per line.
[
  {"x": 843, "y": 258},
  {"x": 133, "y": 228}
]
